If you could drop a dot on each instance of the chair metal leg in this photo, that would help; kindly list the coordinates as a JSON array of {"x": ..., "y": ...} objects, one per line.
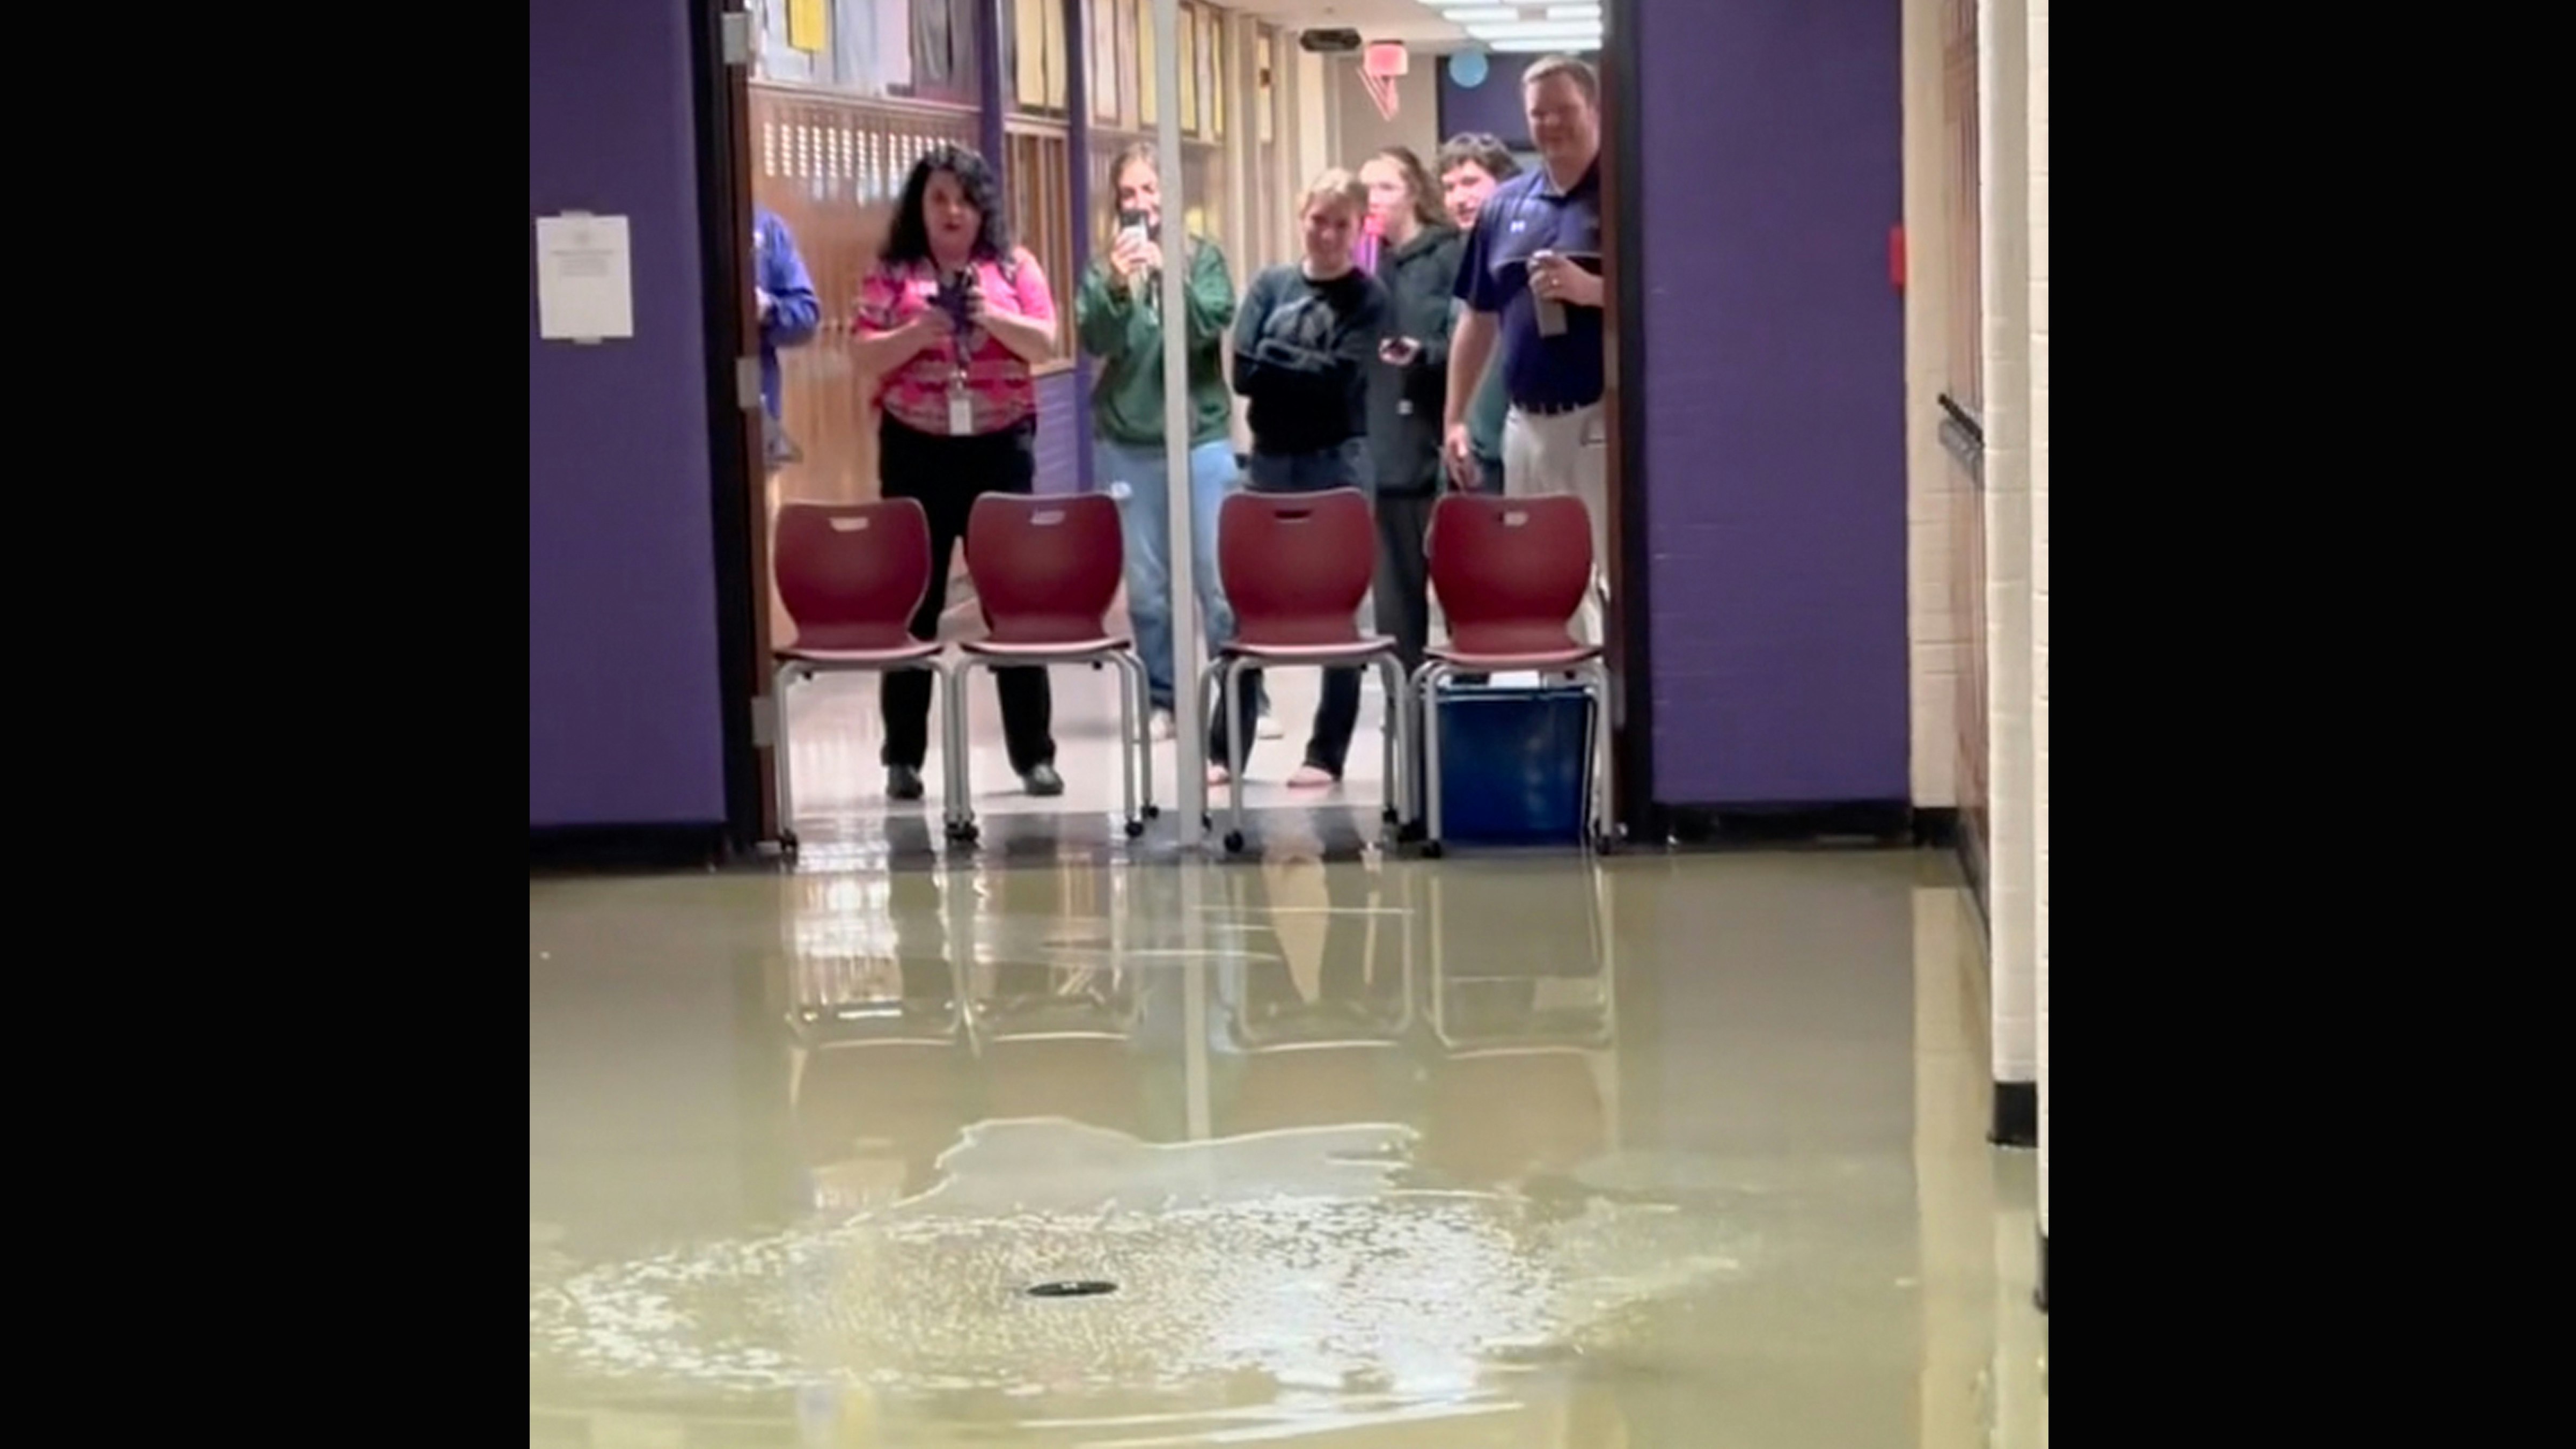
[
  {"x": 782, "y": 759},
  {"x": 1427, "y": 683},
  {"x": 1128, "y": 722},
  {"x": 1391, "y": 675},
  {"x": 1211, "y": 678},
  {"x": 960, "y": 811},
  {"x": 1596, "y": 773},
  {"x": 1235, "y": 754},
  {"x": 1143, "y": 752}
]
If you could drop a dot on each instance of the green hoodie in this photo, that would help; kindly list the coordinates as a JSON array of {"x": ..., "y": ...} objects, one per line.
[{"x": 1126, "y": 335}]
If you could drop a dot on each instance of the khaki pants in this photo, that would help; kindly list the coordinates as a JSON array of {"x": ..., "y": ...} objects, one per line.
[{"x": 1567, "y": 453}]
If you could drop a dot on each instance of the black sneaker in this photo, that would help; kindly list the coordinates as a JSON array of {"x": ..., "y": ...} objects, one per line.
[
  {"x": 903, "y": 782},
  {"x": 1043, "y": 781}
]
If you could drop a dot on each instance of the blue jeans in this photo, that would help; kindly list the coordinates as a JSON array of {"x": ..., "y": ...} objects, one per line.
[
  {"x": 1337, "y": 713},
  {"x": 1137, "y": 478},
  {"x": 1346, "y": 466}
]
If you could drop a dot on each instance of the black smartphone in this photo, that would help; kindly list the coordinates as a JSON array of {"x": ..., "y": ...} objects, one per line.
[{"x": 954, "y": 290}]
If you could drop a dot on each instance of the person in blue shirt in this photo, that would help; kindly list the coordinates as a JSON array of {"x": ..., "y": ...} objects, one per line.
[
  {"x": 1532, "y": 284},
  {"x": 789, "y": 315}
]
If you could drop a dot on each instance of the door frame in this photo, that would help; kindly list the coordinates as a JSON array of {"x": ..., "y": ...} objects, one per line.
[
  {"x": 720, "y": 94},
  {"x": 1631, "y": 625},
  {"x": 722, "y": 106}
]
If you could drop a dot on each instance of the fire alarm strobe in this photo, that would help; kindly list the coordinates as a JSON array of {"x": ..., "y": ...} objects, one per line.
[{"x": 1328, "y": 42}]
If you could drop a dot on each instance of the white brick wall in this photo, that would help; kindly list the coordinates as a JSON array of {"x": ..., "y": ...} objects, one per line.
[
  {"x": 2038, "y": 200},
  {"x": 1933, "y": 485},
  {"x": 2003, "y": 221}
]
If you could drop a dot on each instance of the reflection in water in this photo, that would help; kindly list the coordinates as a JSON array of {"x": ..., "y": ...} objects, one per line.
[
  {"x": 993, "y": 1077},
  {"x": 1374, "y": 1154}
]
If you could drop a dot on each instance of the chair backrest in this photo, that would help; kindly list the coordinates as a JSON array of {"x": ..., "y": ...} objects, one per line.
[
  {"x": 1045, "y": 569},
  {"x": 1510, "y": 572},
  {"x": 851, "y": 574},
  {"x": 1296, "y": 565}
]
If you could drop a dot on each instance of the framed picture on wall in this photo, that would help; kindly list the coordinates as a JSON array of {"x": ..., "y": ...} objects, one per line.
[
  {"x": 1187, "y": 31},
  {"x": 1210, "y": 56},
  {"x": 1148, "y": 103},
  {"x": 1100, "y": 59}
]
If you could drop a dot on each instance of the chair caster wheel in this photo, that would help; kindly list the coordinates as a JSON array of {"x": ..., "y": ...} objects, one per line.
[
  {"x": 1135, "y": 828},
  {"x": 787, "y": 843},
  {"x": 1391, "y": 816},
  {"x": 1431, "y": 850},
  {"x": 1234, "y": 842},
  {"x": 1605, "y": 845},
  {"x": 1153, "y": 812}
]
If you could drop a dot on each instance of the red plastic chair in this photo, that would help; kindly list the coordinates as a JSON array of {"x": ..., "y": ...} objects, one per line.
[
  {"x": 850, "y": 576},
  {"x": 1046, "y": 571},
  {"x": 1510, "y": 574},
  {"x": 1295, "y": 567}
]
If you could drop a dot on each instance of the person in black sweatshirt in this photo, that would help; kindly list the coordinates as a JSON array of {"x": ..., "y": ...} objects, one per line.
[
  {"x": 1418, "y": 264},
  {"x": 1305, "y": 341}
]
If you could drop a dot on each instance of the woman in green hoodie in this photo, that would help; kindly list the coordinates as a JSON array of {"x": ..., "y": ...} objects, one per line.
[{"x": 1118, "y": 318}]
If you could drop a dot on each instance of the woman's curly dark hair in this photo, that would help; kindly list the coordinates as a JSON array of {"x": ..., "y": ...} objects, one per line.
[{"x": 909, "y": 241}]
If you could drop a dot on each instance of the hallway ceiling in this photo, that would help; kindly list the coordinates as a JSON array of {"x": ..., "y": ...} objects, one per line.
[
  {"x": 1420, "y": 24},
  {"x": 1410, "y": 21}
]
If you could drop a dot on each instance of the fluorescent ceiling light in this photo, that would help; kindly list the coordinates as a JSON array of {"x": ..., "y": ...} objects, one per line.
[
  {"x": 1562, "y": 30},
  {"x": 1488, "y": 13},
  {"x": 1562, "y": 45}
]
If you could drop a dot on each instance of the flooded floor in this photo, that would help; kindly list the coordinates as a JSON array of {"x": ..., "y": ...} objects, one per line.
[{"x": 1659, "y": 1151}]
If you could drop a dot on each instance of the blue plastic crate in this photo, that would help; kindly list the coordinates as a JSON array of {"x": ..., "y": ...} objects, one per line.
[{"x": 1513, "y": 764}]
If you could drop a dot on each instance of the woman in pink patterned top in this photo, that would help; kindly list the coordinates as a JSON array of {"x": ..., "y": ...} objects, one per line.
[{"x": 951, "y": 320}]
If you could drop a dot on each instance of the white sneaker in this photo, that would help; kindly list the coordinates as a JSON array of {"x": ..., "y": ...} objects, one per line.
[{"x": 1160, "y": 726}]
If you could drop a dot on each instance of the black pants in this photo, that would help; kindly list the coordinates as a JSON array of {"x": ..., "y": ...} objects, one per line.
[
  {"x": 1404, "y": 574},
  {"x": 947, "y": 475}
]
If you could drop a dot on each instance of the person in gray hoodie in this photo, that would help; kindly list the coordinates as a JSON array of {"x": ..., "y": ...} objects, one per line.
[{"x": 1417, "y": 263}]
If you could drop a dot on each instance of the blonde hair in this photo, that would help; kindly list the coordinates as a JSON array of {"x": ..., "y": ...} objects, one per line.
[
  {"x": 1134, "y": 153},
  {"x": 1338, "y": 187}
]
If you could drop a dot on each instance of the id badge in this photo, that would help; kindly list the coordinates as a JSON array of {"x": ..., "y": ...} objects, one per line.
[{"x": 961, "y": 412}]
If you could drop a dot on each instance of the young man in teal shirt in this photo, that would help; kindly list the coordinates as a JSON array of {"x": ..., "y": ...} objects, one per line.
[{"x": 1471, "y": 167}]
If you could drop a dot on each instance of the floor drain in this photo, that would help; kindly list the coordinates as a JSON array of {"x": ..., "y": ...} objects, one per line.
[{"x": 1073, "y": 1288}]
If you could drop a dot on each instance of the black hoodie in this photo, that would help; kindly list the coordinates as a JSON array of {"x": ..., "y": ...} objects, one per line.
[
  {"x": 1405, "y": 403},
  {"x": 1303, "y": 350}
]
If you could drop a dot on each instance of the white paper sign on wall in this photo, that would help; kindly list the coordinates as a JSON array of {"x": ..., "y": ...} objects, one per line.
[{"x": 585, "y": 278}]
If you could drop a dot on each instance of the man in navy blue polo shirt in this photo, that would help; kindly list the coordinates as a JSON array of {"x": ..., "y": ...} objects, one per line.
[{"x": 1531, "y": 282}]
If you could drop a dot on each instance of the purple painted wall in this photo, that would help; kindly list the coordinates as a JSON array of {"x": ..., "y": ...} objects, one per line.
[
  {"x": 1775, "y": 445},
  {"x": 623, "y": 711}
]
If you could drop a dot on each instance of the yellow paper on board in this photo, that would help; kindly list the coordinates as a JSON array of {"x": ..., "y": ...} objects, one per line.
[{"x": 808, "y": 25}]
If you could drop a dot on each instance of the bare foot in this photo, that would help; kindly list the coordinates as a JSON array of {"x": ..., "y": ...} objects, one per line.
[{"x": 1312, "y": 777}]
